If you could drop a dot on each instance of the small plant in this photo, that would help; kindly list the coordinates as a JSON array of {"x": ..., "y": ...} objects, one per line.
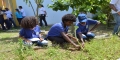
[
  {"x": 76, "y": 27},
  {"x": 23, "y": 51}
]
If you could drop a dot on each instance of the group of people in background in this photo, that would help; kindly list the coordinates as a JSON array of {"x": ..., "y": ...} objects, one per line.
[{"x": 6, "y": 17}]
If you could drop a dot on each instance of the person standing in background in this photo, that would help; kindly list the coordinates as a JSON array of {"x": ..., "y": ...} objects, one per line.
[
  {"x": 2, "y": 19},
  {"x": 22, "y": 11},
  {"x": 9, "y": 16},
  {"x": 19, "y": 16},
  {"x": 6, "y": 21},
  {"x": 42, "y": 15},
  {"x": 115, "y": 6}
]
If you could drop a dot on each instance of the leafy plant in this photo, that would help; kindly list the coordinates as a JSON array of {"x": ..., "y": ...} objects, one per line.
[
  {"x": 23, "y": 51},
  {"x": 97, "y": 7}
]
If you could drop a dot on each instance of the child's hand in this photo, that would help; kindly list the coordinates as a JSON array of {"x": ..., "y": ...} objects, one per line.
[
  {"x": 83, "y": 44},
  {"x": 71, "y": 36},
  {"x": 27, "y": 40},
  {"x": 118, "y": 13},
  {"x": 41, "y": 39},
  {"x": 74, "y": 38},
  {"x": 77, "y": 46}
]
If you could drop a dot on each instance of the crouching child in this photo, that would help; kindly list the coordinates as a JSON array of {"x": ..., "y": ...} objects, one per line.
[
  {"x": 83, "y": 32},
  {"x": 58, "y": 34}
]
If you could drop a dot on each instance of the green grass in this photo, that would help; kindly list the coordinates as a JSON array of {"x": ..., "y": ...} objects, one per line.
[{"x": 97, "y": 49}]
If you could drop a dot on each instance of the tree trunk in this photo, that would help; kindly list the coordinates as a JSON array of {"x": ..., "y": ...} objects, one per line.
[
  {"x": 37, "y": 11},
  {"x": 32, "y": 7}
]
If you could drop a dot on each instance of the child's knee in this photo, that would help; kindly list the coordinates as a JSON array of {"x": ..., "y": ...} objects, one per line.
[{"x": 91, "y": 35}]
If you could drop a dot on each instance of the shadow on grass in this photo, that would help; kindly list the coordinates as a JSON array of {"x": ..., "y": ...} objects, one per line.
[
  {"x": 45, "y": 28},
  {"x": 9, "y": 39}
]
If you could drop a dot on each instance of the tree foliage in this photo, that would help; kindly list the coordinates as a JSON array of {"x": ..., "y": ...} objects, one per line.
[{"x": 98, "y": 7}]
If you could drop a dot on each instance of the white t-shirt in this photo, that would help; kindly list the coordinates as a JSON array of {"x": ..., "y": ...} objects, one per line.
[
  {"x": 42, "y": 10},
  {"x": 116, "y": 4},
  {"x": 23, "y": 12},
  {"x": 8, "y": 14}
]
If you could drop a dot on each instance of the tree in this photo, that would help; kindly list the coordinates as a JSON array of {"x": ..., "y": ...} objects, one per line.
[
  {"x": 38, "y": 2},
  {"x": 98, "y": 7}
]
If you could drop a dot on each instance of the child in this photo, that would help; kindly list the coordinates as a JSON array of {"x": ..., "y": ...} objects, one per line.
[
  {"x": 9, "y": 16},
  {"x": 83, "y": 31},
  {"x": 22, "y": 11},
  {"x": 58, "y": 32},
  {"x": 6, "y": 21},
  {"x": 2, "y": 19},
  {"x": 19, "y": 16},
  {"x": 30, "y": 32}
]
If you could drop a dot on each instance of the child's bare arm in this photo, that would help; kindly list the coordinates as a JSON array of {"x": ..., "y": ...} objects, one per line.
[
  {"x": 98, "y": 23},
  {"x": 80, "y": 35},
  {"x": 69, "y": 40},
  {"x": 74, "y": 38}
]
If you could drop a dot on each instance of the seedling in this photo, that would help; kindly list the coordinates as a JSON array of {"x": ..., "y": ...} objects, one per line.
[{"x": 76, "y": 27}]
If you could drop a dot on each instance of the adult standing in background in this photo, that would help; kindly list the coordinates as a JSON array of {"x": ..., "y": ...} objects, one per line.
[
  {"x": 22, "y": 11},
  {"x": 42, "y": 15},
  {"x": 115, "y": 6}
]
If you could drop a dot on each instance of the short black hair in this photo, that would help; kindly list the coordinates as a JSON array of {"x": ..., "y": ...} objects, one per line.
[
  {"x": 69, "y": 17},
  {"x": 29, "y": 22},
  {"x": 6, "y": 9},
  {"x": 17, "y": 10},
  {"x": 20, "y": 6}
]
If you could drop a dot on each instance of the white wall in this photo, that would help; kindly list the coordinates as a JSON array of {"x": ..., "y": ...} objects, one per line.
[{"x": 52, "y": 16}]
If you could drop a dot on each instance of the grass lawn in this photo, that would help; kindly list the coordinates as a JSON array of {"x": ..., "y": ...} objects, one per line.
[{"x": 97, "y": 49}]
